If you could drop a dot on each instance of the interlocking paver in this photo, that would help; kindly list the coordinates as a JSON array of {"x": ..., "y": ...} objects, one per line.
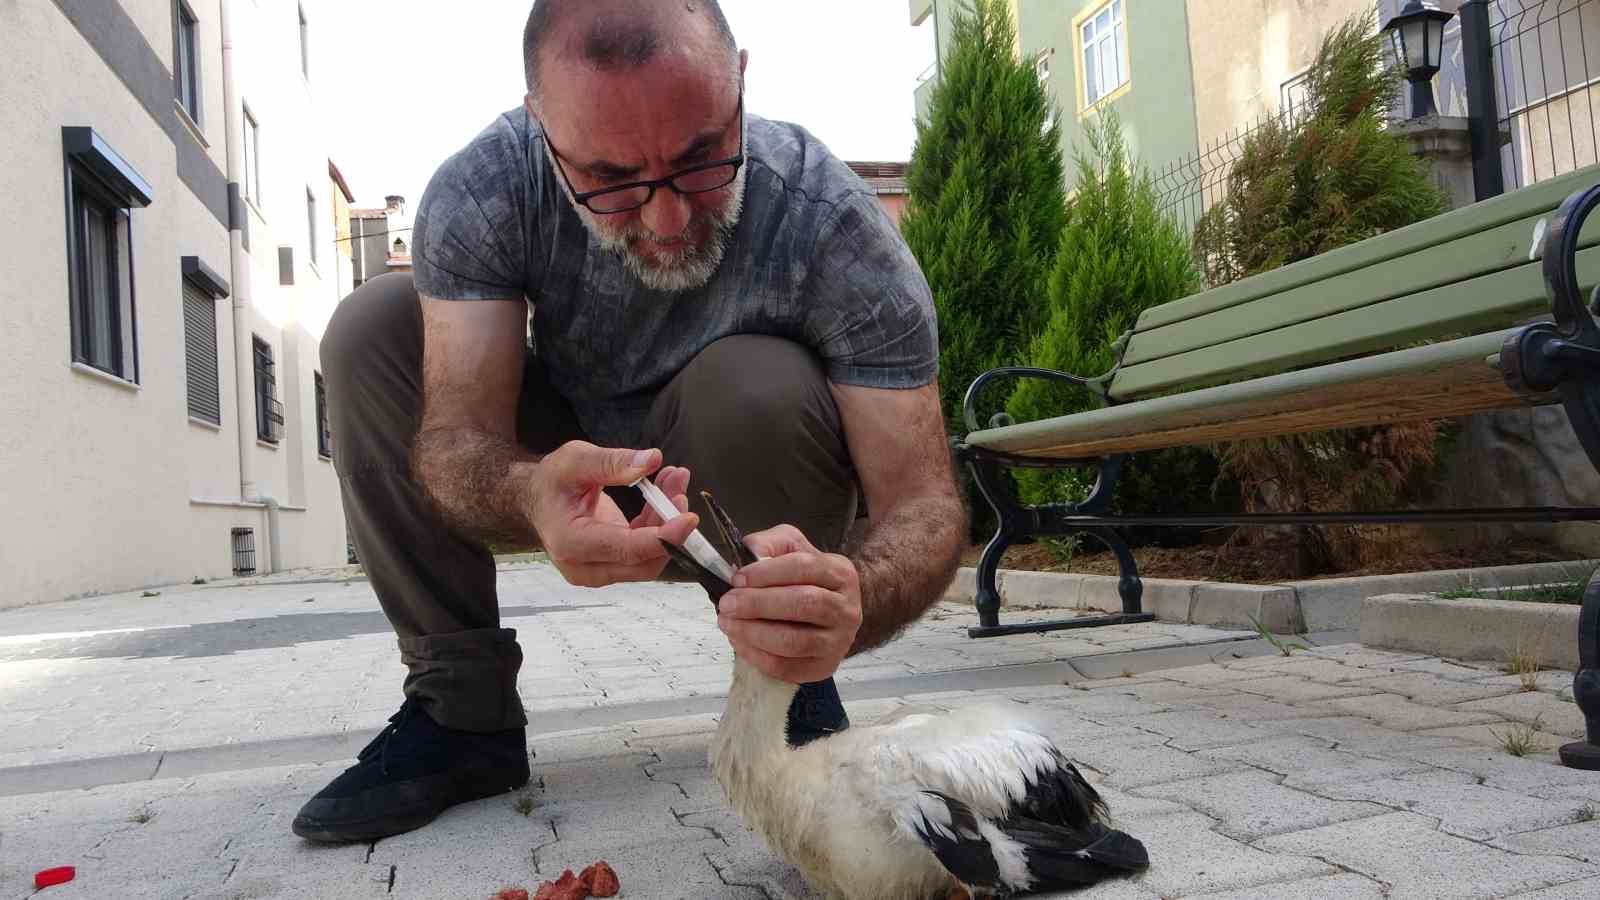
[
  {"x": 1198, "y": 729},
  {"x": 1295, "y": 689},
  {"x": 1408, "y": 852},
  {"x": 1580, "y": 841},
  {"x": 1187, "y": 857},
  {"x": 1251, "y": 805},
  {"x": 1307, "y": 762},
  {"x": 1400, "y": 714},
  {"x": 1432, "y": 690},
  {"x": 1346, "y": 886},
  {"x": 1197, "y": 761},
  {"x": 1550, "y": 713},
  {"x": 1461, "y": 805}
]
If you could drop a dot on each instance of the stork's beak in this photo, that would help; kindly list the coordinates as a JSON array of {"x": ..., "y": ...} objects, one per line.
[{"x": 733, "y": 540}]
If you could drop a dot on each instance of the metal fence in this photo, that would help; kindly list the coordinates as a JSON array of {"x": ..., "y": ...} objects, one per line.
[
  {"x": 1544, "y": 62},
  {"x": 1547, "y": 78},
  {"x": 1192, "y": 184}
]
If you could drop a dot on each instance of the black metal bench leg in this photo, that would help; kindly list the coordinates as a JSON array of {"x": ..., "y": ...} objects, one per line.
[
  {"x": 1129, "y": 586},
  {"x": 1585, "y": 754},
  {"x": 987, "y": 596}
]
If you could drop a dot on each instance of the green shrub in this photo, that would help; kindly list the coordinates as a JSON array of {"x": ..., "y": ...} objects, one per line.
[
  {"x": 1119, "y": 255},
  {"x": 986, "y": 202},
  {"x": 1297, "y": 190}
]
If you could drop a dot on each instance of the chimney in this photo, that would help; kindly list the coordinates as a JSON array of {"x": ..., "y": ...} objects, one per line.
[{"x": 395, "y": 204}]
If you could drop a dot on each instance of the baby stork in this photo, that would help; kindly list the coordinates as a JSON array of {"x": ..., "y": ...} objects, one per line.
[{"x": 971, "y": 803}]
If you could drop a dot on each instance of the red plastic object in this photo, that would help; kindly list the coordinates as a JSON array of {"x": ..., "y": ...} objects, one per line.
[{"x": 52, "y": 877}]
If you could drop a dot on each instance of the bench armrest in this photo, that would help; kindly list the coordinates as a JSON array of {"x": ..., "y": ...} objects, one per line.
[{"x": 1099, "y": 385}]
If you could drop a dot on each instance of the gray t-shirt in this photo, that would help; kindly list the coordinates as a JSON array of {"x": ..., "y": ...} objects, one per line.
[{"x": 814, "y": 259}]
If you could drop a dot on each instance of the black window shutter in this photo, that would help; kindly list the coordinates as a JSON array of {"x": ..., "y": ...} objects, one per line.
[{"x": 200, "y": 346}]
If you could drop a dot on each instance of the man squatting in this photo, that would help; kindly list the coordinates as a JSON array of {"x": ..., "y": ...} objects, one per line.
[{"x": 712, "y": 293}]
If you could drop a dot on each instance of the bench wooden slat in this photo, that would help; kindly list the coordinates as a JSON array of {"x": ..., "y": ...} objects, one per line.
[
  {"x": 1487, "y": 302},
  {"x": 1433, "y": 267},
  {"x": 1515, "y": 206},
  {"x": 1436, "y": 381}
]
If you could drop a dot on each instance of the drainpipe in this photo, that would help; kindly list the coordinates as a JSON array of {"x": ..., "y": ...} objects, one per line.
[{"x": 239, "y": 276}]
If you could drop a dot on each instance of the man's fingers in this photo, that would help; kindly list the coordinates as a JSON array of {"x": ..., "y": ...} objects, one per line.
[
  {"x": 778, "y": 540},
  {"x": 801, "y": 604},
  {"x": 782, "y": 639},
  {"x": 600, "y": 544},
  {"x": 800, "y": 567}
]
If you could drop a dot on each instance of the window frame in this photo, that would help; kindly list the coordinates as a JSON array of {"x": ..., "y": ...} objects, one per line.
[
  {"x": 97, "y": 180},
  {"x": 311, "y": 224},
  {"x": 186, "y": 81},
  {"x": 269, "y": 410},
  {"x": 1117, "y": 30},
  {"x": 252, "y": 157},
  {"x": 324, "y": 431}
]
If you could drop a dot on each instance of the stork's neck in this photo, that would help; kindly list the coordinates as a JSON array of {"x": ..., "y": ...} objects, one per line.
[{"x": 757, "y": 715}]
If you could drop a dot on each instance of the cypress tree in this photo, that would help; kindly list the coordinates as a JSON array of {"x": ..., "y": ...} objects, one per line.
[{"x": 986, "y": 202}]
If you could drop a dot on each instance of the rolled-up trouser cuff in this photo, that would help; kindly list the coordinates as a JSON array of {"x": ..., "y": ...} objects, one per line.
[{"x": 466, "y": 680}]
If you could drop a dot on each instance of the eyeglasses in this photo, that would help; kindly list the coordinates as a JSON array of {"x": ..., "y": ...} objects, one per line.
[{"x": 693, "y": 180}]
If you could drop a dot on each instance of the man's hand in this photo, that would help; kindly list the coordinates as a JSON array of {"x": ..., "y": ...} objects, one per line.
[
  {"x": 588, "y": 538},
  {"x": 794, "y": 613}
]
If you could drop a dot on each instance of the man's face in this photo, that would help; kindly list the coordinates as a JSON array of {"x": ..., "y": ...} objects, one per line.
[{"x": 653, "y": 121}]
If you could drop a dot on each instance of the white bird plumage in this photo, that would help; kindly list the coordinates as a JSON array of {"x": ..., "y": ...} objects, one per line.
[{"x": 920, "y": 806}]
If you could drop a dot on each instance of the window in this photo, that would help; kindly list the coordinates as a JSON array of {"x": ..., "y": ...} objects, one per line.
[
  {"x": 252, "y": 158},
  {"x": 1105, "y": 53},
  {"x": 305, "y": 45},
  {"x": 244, "y": 551},
  {"x": 269, "y": 412},
  {"x": 1292, "y": 97},
  {"x": 1041, "y": 66},
  {"x": 324, "y": 433},
  {"x": 200, "y": 353},
  {"x": 186, "y": 71},
  {"x": 311, "y": 223},
  {"x": 102, "y": 191}
]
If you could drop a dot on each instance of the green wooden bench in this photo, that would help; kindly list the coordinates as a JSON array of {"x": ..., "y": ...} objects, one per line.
[
  {"x": 1332, "y": 341},
  {"x": 1420, "y": 323}
]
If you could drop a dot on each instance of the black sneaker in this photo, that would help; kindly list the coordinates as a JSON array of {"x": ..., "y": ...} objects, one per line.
[{"x": 410, "y": 773}]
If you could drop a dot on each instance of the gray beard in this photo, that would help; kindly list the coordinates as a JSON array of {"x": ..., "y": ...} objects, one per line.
[{"x": 684, "y": 270}]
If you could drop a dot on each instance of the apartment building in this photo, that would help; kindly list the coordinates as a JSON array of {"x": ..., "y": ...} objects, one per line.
[
  {"x": 1189, "y": 78},
  {"x": 171, "y": 263}
]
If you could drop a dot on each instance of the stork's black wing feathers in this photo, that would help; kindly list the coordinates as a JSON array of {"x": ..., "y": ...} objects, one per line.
[
  {"x": 1057, "y": 793},
  {"x": 967, "y": 855},
  {"x": 1061, "y": 857},
  {"x": 1058, "y": 825}
]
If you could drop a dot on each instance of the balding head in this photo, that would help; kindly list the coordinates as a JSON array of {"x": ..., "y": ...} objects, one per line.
[{"x": 613, "y": 35}]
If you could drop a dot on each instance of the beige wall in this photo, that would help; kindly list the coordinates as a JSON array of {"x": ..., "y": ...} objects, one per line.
[
  {"x": 110, "y": 486},
  {"x": 1243, "y": 51}
]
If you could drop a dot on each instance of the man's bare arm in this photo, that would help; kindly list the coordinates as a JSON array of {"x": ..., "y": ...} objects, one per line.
[
  {"x": 466, "y": 454},
  {"x": 918, "y": 523}
]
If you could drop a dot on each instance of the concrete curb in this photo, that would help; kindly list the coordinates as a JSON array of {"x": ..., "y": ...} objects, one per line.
[
  {"x": 1473, "y": 629},
  {"x": 1333, "y": 604}
]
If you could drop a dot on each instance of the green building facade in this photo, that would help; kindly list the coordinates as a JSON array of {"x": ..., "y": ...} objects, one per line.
[{"x": 1129, "y": 55}]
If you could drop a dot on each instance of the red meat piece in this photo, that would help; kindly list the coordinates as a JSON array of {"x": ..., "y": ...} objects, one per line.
[
  {"x": 567, "y": 887},
  {"x": 601, "y": 880}
]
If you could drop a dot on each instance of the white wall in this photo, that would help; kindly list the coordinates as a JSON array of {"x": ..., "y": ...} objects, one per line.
[{"x": 99, "y": 478}]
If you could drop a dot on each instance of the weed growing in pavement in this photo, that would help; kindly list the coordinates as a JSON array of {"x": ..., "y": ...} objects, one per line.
[
  {"x": 1287, "y": 648},
  {"x": 1521, "y": 739}
]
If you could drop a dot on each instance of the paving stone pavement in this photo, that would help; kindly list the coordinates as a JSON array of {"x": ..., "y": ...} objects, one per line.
[{"x": 1338, "y": 772}]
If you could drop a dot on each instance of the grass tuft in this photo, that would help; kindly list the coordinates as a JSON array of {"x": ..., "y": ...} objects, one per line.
[
  {"x": 1521, "y": 739},
  {"x": 1287, "y": 648}
]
